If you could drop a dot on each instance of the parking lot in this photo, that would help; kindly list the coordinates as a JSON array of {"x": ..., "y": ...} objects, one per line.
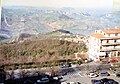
[
  {"x": 73, "y": 74},
  {"x": 86, "y": 80},
  {"x": 81, "y": 77}
]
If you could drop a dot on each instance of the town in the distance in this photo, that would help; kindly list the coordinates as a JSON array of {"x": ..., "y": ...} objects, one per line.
[{"x": 59, "y": 46}]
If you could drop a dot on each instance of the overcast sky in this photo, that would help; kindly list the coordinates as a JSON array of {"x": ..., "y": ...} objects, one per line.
[{"x": 60, "y": 3}]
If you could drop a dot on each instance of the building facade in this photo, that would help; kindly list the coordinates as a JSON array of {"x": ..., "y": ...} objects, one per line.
[{"x": 104, "y": 43}]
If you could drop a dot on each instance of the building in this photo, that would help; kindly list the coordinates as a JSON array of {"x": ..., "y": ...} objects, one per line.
[
  {"x": 104, "y": 43},
  {"x": 75, "y": 38}
]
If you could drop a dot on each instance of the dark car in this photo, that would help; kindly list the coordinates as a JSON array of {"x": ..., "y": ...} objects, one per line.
[
  {"x": 78, "y": 83},
  {"x": 108, "y": 81},
  {"x": 104, "y": 74},
  {"x": 104, "y": 80},
  {"x": 28, "y": 82},
  {"x": 118, "y": 75},
  {"x": 111, "y": 81},
  {"x": 94, "y": 81}
]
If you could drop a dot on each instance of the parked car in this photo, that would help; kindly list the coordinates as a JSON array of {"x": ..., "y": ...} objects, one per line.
[
  {"x": 63, "y": 83},
  {"x": 42, "y": 80},
  {"x": 118, "y": 75},
  {"x": 92, "y": 75},
  {"x": 60, "y": 77},
  {"x": 72, "y": 83},
  {"x": 57, "y": 77},
  {"x": 104, "y": 74},
  {"x": 65, "y": 65},
  {"x": 28, "y": 82},
  {"x": 113, "y": 60},
  {"x": 108, "y": 81},
  {"x": 111, "y": 81},
  {"x": 104, "y": 79},
  {"x": 78, "y": 83},
  {"x": 94, "y": 81}
]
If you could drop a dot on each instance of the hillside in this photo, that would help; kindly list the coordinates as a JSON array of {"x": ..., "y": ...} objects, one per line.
[{"x": 38, "y": 51}]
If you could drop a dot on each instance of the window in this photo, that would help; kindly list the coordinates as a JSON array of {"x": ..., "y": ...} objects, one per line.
[
  {"x": 101, "y": 41},
  {"x": 107, "y": 41},
  {"x": 118, "y": 53},
  {"x": 116, "y": 34}
]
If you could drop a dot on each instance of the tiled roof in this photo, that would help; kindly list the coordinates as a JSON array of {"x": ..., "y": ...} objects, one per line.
[
  {"x": 111, "y": 31},
  {"x": 100, "y": 36},
  {"x": 97, "y": 35}
]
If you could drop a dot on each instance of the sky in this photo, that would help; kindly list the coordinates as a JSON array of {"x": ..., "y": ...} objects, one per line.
[{"x": 60, "y": 3}]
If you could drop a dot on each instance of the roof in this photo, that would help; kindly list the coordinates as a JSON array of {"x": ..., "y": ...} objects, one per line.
[
  {"x": 100, "y": 36},
  {"x": 111, "y": 31},
  {"x": 97, "y": 35}
]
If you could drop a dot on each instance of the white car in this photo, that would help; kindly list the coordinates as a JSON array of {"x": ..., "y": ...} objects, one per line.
[
  {"x": 55, "y": 78},
  {"x": 63, "y": 83},
  {"x": 92, "y": 75},
  {"x": 72, "y": 83},
  {"x": 43, "y": 80}
]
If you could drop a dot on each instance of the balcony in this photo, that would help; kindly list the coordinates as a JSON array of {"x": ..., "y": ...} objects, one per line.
[
  {"x": 110, "y": 49},
  {"x": 111, "y": 44}
]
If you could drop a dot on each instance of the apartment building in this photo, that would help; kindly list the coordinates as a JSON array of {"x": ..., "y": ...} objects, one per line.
[{"x": 104, "y": 43}]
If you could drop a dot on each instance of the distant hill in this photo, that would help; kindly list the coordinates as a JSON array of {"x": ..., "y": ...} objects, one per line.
[
  {"x": 34, "y": 20},
  {"x": 59, "y": 32},
  {"x": 63, "y": 31},
  {"x": 3, "y": 38},
  {"x": 65, "y": 17}
]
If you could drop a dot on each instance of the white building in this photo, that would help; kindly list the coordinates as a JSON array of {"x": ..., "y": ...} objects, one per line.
[{"x": 104, "y": 43}]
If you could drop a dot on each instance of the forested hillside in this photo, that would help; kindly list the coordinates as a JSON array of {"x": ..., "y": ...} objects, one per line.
[{"x": 38, "y": 50}]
